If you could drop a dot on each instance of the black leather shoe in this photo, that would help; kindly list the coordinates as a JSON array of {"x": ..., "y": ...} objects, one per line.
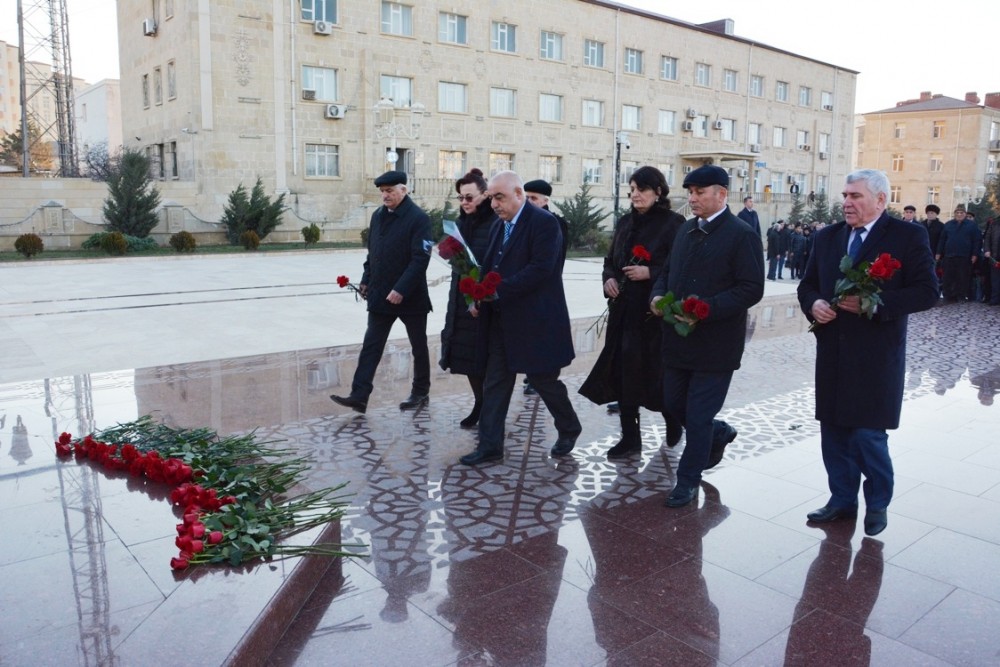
[
  {"x": 875, "y": 522},
  {"x": 681, "y": 495},
  {"x": 563, "y": 446},
  {"x": 613, "y": 408},
  {"x": 674, "y": 433},
  {"x": 473, "y": 419},
  {"x": 352, "y": 402},
  {"x": 719, "y": 447},
  {"x": 826, "y": 514},
  {"x": 480, "y": 456},
  {"x": 625, "y": 448},
  {"x": 414, "y": 401}
]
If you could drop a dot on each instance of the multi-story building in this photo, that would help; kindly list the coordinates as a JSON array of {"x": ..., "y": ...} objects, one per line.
[
  {"x": 315, "y": 96},
  {"x": 10, "y": 89},
  {"x": 935, "y": 149},
  {"x": 98, "y": 116}
]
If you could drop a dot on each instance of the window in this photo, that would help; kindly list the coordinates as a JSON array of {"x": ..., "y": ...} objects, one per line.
[
  {"x": 503, "y": 102},
  {"x": 628, "y": 167},
  {"x": 667, "y": 122},
  {"x": 805, "y": 96},
  {"x": 322, "y": 160},
  {"x": 700, "y": 125},
  {"x": 756, "y": 86},
  {"x": 668, "y": 68},
  {"x": 730, "y": 80},
  {"x": 451, "y": 97},
  {"x": 157, "y": 85},
  {"x": 322, "y": 80},
  {"x": 319, "y": 10},
  {"x": 592, "y": 170},
  {"x": 631, "y": 117},
  {"x": 503, "y": 37},
  {"x": 501, "y": 162},
  {"x": 633, "y": 61},
  {"x": 779, "y": 137},
  {"x": 826, "y": 99},
  {"x": 822, "y": 184},
  {"x": 934, "y": 194},
  {"x": 550, "y": 107},
  {"x": 824, "y": 142},
  {"x": 938, "y": 131},
  {"x": 895, "y": 194},
  {"x": 781, "y": 91},
  {"x": 897, "y": 162},
  {"x": 703, "y": 74},
  {"x": 899, "y": 131},
  {"x": 777, "y": 181},
  {"x": 452, "y": 28},
  {"x": 397, "y": 89},
  {"x": 728, "y": 131},
  {"x": 451, "y": 164},
  {"x": 754, "y": 133},
  {"x": 593, "y": 113},
  {"x": 145, "y": 91},
  {"x": 994, "y": 131},
  {"x": 593, "y": 53},
  {"x": 171, "y": 160},
  {"x": 550, "y": 168},
  {"x": 801, "y": 138},
  {"x": 937, "y": 162},
  {"x": 550, "y": 46},
  {"x": 397, "y": 19},
  {"x": 171, "y": 80},
  {"x": 668, "y": 171},
  {"x": 991, "y": 164}
]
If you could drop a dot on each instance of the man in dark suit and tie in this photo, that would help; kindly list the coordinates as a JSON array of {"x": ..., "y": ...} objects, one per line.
[
  {"x": 749, "y": 216},
  {"x": 861, "y": 362},
  {"x": 526, "y": 328},
  {"x": 719, "y": 259}
]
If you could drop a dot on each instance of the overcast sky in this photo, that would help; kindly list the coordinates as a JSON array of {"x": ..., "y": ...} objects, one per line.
[{"x": 899, "y": 47}]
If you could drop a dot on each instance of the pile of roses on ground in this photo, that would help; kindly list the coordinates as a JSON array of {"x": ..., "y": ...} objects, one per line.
[{"x": 233, "y": 493}]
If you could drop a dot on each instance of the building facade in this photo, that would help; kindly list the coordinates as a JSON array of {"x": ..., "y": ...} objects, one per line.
[
  {"x": 98, "y": 116},
  {"x": 315, "y": 96},
  {"x": 935, "y": 149}
]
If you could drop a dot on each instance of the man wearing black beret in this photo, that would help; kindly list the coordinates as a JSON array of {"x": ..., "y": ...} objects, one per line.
[
  {"x": 538, "y": 193},
  {"x": 720, "y": 260},
  {"x": 395, "y": 285}
]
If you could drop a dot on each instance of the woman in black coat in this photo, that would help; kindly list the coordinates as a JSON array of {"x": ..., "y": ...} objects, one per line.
[
  {"x": 458, "y": 339},
  {"x": 629, "y": 369}
]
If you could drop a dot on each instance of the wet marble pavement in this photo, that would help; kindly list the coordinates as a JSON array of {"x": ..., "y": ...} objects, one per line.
[{"x": 530, "y": 561}]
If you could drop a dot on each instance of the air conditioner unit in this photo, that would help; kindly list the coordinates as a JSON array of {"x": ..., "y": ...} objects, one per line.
[
  {"x": 742, "y": 173},
  {"x": 687, "y": 126},
  {"x": 827, "y": 107},
  {"x": 791, "y": 180},
  {"x": 688, "y": 169},
  {"x": 335, "y": 111},
  {"x": 995, "y": 145},
  {"x": 149, "y": 27},
  {"x": 308, "y": 94},
  {"x": 805, "y": 147},
  {"x": 754, "y": 148},
  {"x": 823, "y": 155},
  {"x": 322, "y": 28},
  {"x": 692, "y": 113},
  {"x": 717, "y": 125}
]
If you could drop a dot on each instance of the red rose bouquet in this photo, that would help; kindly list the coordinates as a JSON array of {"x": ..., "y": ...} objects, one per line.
[
  {"x": 863, "y": 281},
  {"x": 683, "y": 314},
  {"x": 345, "y": 282},
  {"x": 474, "y": 286},
  {"x": 640, "y": 256}
]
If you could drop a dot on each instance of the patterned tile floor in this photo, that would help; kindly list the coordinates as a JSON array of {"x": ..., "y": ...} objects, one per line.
[{"x": 534, "y": 561}]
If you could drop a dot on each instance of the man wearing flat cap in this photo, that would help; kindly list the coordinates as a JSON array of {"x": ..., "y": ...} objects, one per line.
[
  {"x": 394, "y": 284},
  {"x": 538, "y": 193},
  {"x": 718, "y": 258}
]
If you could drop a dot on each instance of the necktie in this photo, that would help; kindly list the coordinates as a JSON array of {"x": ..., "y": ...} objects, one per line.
[
  {"x": 507, "y": 227},
  {"x": 855, "y": 248}
]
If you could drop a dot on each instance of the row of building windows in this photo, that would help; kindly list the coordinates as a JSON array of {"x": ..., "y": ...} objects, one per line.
[
  {"x": 937, "y": 130},
  {"x": 152, "y": 85},
  {"x": 397, "y": 19},
  {"x": 937, "y": 163}
]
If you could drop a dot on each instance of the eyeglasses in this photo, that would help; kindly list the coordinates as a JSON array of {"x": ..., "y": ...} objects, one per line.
[{"x": 466, "y": 198}]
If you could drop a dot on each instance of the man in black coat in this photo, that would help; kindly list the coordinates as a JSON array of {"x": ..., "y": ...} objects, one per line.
[
  {"x": 719, "y": 259},
  {"x": 526, "y": 329},
  {"x": 958, "y": 250},
  {"x": 749, "y": 216},
  {"x": 861, "y": 362},
  {"x": 395, "y": 286}
]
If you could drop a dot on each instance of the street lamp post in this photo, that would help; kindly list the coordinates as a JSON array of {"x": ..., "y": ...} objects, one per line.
[
  {"x": 388, "y": 127},
  {"x": 621, "y": 138},
  {"x": 968, "y": 194}
]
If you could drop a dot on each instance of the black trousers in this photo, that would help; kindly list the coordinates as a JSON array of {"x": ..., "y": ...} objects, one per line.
[
  {"x": 957, "y": 276},
  {"x": 377, "y": 333}
]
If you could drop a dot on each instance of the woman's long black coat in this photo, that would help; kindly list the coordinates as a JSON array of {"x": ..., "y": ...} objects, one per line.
[
  {"x": 629, "y": 368},
  {"x": 460, "y": 333}
]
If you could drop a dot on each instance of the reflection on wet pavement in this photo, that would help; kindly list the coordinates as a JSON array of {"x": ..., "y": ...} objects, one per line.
[{"x": 529, "y": 561}]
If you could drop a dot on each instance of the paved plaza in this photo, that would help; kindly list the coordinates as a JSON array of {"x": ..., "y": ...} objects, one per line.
[{"x": 530, "y": 561}]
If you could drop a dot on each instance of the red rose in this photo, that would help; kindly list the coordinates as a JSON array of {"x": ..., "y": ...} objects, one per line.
[
  {"x": 492, "y": 279},
  {"x": 197, "y": 546},
  {"x": 65, "y": 438},
  {"x": 215, "y": 537},
  {"x": 639, "y": 252},
  {"x": 466, "y": 285},
  {"x": 479, "y": 291},
  {"x": 689, "y": 304},
  {"x": 198, "y": 530},
  {"x": 449, "y": 247},
  {"x": 342, "y": 281},
  {"x": 701, "y": 310},
  {"x": 183, "y": 542},
  {"x": 179, "y": 563}
]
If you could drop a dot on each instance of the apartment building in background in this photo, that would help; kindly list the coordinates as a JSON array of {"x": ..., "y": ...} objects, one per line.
[
  {"x": 935, "y": 149},
  {"x": 315, "y": 95}
]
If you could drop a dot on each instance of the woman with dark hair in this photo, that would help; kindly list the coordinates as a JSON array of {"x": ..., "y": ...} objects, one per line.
[
  {"x": 458, "y": 338},
  {"x": 629, "y": 369}
]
